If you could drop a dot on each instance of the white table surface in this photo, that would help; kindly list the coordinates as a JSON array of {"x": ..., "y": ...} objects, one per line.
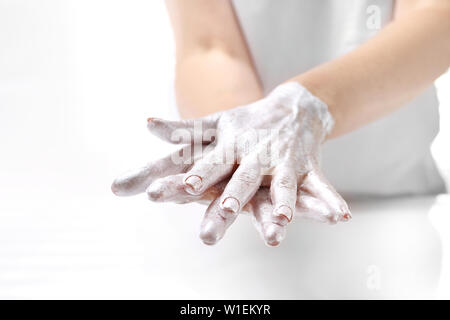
[{"x": 129, "y": 248}]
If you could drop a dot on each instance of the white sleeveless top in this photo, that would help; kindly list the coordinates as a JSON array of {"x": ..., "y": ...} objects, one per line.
[{"x": 387, "y": 157}]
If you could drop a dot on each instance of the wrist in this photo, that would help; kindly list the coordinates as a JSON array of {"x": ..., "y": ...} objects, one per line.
[{"x": 307, "y": 107}]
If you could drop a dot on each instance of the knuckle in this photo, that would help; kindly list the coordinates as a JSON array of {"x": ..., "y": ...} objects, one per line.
[
  {"x": 285, "y": 183},
  {"x": 250, "y": 176}
]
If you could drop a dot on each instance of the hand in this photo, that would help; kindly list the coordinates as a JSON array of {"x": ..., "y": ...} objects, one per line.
[
  {"x": 312, "y": 203},
  {"x": 315, "y": 197},
  {"x": 276, "y": 139},
  {"x": 163, "y": 181}
]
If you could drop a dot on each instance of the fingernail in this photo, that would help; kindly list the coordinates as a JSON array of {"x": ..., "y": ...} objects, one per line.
[
  {"x": 230, "y": 204},
  {"x": 284, "y": 211},
  {"x": 119, "y": 187},
  {"x": 194, "y": 183},
  {"x": 149, "y": 119}
]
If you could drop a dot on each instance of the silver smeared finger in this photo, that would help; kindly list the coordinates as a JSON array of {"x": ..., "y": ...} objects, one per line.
[
  {"x": 267, "y": 225},
  {"x": 200, "y": 130},
  {"x": 214, "y": 224},
  {"x": 283, "y": 191},
  {"x": 318, "y": 187},
  {"x": 136, "y": 181},
  {"x": 311, "y": 208},
  {"x": 242, "y": 186}
]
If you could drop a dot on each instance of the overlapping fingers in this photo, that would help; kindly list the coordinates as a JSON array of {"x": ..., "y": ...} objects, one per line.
[
  {"x": 318, "y": 200},
  {"x": 167, "y": 180},
  {"x": 214, "y": 223},
  {"x": 244, "y": 183},
  {"x": 270, "y": 228},
  {"x": 222, "y": 212}
]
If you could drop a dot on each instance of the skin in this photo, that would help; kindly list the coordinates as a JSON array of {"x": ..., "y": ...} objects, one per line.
[
  {"x": 301, "y": 122},
  {"x": 387, "y": 71},
  {"x": 315, "y": 199},
  {"x": 202, "y": 45},
  {"x": 419, "y": 38}
]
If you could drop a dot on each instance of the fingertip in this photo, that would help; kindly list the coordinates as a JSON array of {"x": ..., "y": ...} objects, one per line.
[
  {"x": 333, "y": 219},
  {"x": 154, "y": 192},
  {"x": 208, "y": 239},
  {"x": 152, "y": 123},
  {"x": 210, "y": 233},
  {"x": 273, "y": 234},
  {"x": 114, "y": 188},
  {"x": 120, "y": 186},
  {"x": 230, "y": 204},
  {"x": 131, "y": 182}
]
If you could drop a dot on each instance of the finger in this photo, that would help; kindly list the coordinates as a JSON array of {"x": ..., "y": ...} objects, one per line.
[
  {"x": 242, "y": 186},
  {"x": 283, "y": 191},
  {"x": 205, "y": 173},
  {"x": 215, "y": 224},
  {"x": 316, "y": 185},
  {"x": 269, "y": 228},
  {"x": 312, "y": 208},
  {"x": 136, "y": 181},
  {"x": 172, "y": 189},
  {"x": 200, "y": 130}
]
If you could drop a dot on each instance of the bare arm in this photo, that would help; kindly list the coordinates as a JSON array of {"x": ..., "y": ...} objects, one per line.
[
  {"x": 214, "y": 70},
  {"x": 387, "y": 71}
]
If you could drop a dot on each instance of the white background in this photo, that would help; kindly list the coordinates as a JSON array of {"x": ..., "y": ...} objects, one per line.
[{"x": 77, "y": 81}]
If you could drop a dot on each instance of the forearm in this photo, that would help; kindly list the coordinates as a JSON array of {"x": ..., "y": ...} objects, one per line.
[
  {"x": 214, "y": 69},
  {"x": 211, "y": 81},
  {"x": 386, "y": 72}
]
